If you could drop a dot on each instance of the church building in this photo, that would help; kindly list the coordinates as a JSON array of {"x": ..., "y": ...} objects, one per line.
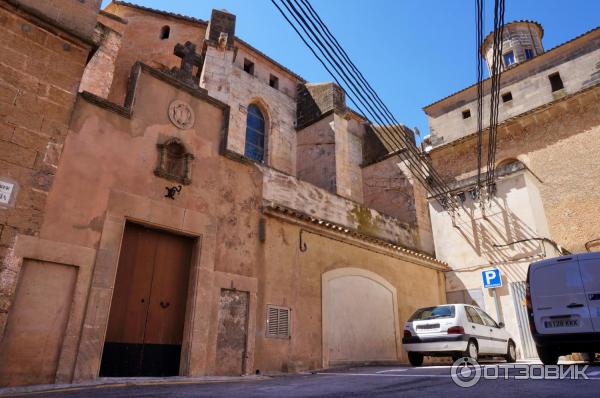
[{"x": 176, "y": 202}]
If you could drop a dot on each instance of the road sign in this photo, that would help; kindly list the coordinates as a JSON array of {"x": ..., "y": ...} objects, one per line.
[{"x": 491, "y": 278}]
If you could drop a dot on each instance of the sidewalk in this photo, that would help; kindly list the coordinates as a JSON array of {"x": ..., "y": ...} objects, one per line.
[{"x": 112, "y": 382}]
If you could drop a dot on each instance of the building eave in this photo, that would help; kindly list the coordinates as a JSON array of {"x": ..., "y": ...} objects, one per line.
[
  {"x": 321, "y": 224},
  {"x": 517, "y": 67}
]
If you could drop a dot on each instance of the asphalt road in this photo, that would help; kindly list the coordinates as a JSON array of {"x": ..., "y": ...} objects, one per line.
[{"x": 427, "y": 381}]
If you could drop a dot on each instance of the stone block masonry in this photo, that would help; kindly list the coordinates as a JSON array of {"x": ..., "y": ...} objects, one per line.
[{"x": 40, "y": 71}]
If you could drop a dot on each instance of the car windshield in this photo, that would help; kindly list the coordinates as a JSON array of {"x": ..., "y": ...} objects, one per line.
[{"x": 439, "y": 312}]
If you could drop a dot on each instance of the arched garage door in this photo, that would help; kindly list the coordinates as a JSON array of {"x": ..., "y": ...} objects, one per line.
[{"x": 360, "y": 322}]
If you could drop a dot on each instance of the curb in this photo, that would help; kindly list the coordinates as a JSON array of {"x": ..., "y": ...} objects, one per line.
[{"x": 104, "y": 384}]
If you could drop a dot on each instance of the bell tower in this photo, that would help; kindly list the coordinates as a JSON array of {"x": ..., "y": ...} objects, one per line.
[{"x": 522, "y": 41}]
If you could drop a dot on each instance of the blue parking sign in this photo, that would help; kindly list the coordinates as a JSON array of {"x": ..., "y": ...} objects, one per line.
[{"x": 491, "y": 278}]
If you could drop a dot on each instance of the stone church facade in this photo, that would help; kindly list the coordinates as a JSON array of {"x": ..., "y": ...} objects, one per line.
[{"x": 178, "y": 203}]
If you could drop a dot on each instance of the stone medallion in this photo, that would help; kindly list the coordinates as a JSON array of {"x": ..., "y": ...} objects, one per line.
[{"x": 181, "y": 114}]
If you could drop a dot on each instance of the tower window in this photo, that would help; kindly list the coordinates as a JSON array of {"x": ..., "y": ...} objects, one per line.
[
  {"x": 274, "y": 81},
  {"x": 165, "y": 31},
  {"x": 509, "y": 58},
  {"x": 556, "y": 82},
  {"x": 248, "y": 66},
  {"x": 466, "y": 114},
  {"x": 528, "y": 53},
  {"x": 506, "y": 97}
]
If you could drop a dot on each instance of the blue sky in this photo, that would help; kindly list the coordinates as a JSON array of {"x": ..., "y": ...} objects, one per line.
[{"x": 413, "y": 52}]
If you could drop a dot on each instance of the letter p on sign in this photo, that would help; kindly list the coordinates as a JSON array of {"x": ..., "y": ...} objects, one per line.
[{"x": 491, "y": 278}]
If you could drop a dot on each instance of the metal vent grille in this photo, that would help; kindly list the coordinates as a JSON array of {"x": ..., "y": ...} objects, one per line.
[{"x": 278, "y": 322}]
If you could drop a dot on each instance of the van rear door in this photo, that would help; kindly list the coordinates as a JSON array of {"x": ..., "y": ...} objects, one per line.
[
  {"x": 558, "y": 297},
  {"x": 589, "y": 265}
]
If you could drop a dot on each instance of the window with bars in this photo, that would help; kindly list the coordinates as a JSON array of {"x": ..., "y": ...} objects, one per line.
[{"x": 278, "y": 321}]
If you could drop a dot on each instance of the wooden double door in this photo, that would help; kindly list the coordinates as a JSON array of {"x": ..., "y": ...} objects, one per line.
[{"x": 147, "y": 314}]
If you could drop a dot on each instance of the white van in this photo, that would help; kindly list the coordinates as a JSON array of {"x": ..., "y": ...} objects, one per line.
[{"x": 563, "y": 303}]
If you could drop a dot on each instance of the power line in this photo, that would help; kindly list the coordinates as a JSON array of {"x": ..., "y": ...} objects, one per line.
[
  {"x": 495, "y": 92},
  {"x": 479, "y": 16},
  {"x": 361, "y": 93},
  {"x": 336, "y": 64}
]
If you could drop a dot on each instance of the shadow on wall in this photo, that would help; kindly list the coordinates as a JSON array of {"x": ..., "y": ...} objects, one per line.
[{"x": 496, "y": 234}]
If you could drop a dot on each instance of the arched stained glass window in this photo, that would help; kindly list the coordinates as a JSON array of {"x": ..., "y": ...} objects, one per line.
[{"x": 255, "y": 134}]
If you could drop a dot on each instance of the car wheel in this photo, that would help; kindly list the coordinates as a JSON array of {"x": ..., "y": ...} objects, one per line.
[
  {"x": 415, "y": 358},
  {"x": 511, "y": 352},
  {"x": 547, "y": 355},
  {"x": 472, "y": 350},
  {"x": 588, "y": 357}
]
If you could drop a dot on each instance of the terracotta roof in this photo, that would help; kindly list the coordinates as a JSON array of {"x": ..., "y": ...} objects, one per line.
[
  {"x": 203, "y": 22},
  {"x": 515, "y": 67},
  {"x": 539, "y": 26},
  {"x": 352, "y": 232}
]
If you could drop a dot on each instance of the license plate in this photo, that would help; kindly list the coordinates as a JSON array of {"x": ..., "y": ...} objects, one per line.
[
  {"x": 561, "y": 323},
  {"x": 429, "y": 326}
]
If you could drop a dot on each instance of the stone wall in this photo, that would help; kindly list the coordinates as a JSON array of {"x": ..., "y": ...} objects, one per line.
[
  {"x": 560, "y": 145},
  {"x": 517, "y": 37},
  {"x": 142, "y": 42},
  {"x": 292, "y": 278},
  {"x": 224, "y": 78},
  {"x": 316, "y": 154},
  {"x": 349, "y": 133},
  {"x": 576, "y": 61},
  {"x": 40, "y": 71},
  {"x": 286, "y": 191},
  {"x": 99, "y": 72},
  {"x": 75, "y": 17}
]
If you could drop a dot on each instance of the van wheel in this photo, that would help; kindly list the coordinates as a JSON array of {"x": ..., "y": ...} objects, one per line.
[
  {"x": 511, "y": 352},
  {"x": 415, "y": 358},
  {"x": 472, "y": 350},
  {"x": 588, "y": 357},
  {"x": 547, "y": 356}
]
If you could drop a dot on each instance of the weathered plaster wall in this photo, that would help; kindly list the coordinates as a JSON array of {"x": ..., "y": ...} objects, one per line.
[
  {"x": 390, "y": 188},
  {"x": 289, "y": 277},
  {"x": 560, "y": 145},
  {"x": 316, "y": 161},
  {"x": 349, "y": 135},
  {"x": 283, "y": 190},
  {"x": 107, "y": 177}
]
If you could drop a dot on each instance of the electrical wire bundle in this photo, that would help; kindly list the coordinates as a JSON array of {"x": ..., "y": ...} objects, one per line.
[
  {"x": 479, "y": 15},
  {"x": 496, "y": 72},
  {"x": 311, "y": 29}
]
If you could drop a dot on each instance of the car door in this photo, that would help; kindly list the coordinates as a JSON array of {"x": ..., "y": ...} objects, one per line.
[
  {"x": 590, "y": 275},
  {"x": 498, "y": 339},
  {"x": 476, "y": 328},
  {"x": 558, "y": 297}
]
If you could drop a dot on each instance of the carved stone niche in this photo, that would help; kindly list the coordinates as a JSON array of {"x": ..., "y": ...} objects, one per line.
[{"x": 174, "y": 162}]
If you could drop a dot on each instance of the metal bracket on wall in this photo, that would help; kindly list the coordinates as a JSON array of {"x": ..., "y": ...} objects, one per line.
[{"x": 301, "y": 242}]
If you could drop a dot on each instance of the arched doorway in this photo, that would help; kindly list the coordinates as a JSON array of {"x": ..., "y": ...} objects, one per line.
[{"x": 360, "y": 317}]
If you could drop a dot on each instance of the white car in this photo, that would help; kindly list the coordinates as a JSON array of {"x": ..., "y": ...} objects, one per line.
[
  {"x": 455, "y": 330},
  {"x": 563, "y": 303}
]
